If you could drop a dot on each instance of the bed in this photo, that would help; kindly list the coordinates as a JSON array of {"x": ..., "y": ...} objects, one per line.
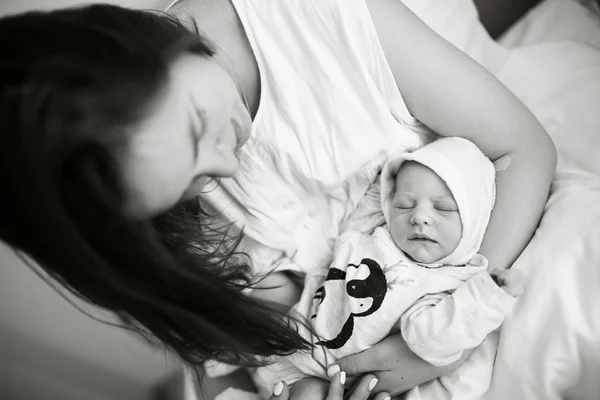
[
  {"x": 550, "y": 348},
  {"x": 550, "y": 58}
]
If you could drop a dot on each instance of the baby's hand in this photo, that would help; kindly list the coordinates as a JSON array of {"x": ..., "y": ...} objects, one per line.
[{"x": 511, "y": 280}]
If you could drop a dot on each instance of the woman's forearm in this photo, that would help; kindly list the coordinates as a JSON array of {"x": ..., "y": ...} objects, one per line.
[
  {"x": 420, "y": 372},
  {"x": 397, "y": 367},
  {"x": 522, "y": 191}
]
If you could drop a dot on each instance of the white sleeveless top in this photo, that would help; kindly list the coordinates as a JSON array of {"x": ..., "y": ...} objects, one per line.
[{"x": 330, "y": 113}]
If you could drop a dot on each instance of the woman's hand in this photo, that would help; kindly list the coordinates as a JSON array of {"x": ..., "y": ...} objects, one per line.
[
  {"x": 361, "y": 390},
  {"x": 395, "y": 365}
]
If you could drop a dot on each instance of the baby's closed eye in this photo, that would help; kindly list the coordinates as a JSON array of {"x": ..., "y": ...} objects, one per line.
[
  {"x": 404, "y": 201},
  {"x": 405, "y": 204},
  {"x": 446, "y": 206}
]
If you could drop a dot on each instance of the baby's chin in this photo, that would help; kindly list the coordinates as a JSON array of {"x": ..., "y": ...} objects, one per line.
[{"x": 422, "y": 255}]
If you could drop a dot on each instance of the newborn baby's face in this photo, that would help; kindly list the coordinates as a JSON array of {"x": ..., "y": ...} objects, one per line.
[{"x": 424, "y": 219}]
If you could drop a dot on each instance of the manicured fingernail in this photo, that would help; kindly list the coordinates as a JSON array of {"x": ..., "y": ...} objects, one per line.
[
  {"x": 387, "y": 398},
  {"x": 373, "y": 383},
  {"x": 342, "y": 377},
  {"x": 331, "y": 371},
  {"x": 278, "y": 388}
]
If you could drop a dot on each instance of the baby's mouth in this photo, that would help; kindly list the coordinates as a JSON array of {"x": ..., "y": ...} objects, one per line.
[{"x": 420, "y": 237}]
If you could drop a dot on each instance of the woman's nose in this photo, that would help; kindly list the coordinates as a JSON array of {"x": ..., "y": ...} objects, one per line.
[{"x": 420, "y": 216}]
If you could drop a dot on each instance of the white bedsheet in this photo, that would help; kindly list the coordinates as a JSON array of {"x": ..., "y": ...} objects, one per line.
[
  {"x": 550, "y": 348},
  {"x": 555, "y": 21},
  {"x": 560, "y": 83}
]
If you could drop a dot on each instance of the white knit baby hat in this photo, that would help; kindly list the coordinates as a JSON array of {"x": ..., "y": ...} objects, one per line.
[{"x": 470, "y": 176}]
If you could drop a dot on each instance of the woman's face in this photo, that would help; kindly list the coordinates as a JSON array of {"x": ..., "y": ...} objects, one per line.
[
  {"x": 424, "y": 220},
  {"x": 192, "y": 134}
]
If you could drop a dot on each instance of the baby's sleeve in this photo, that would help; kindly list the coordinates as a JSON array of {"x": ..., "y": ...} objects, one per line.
[
  {"x": 439, "y": 327},
  {"x": 368, "y": 214}
]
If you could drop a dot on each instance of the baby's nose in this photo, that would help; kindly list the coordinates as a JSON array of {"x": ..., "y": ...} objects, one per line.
[{"x": 421, "y": 216}]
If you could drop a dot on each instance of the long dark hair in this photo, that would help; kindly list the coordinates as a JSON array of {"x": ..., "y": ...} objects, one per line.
[{"x": 72, "y": 83}]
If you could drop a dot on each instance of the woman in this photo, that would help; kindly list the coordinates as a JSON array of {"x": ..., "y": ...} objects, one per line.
[{"x": 111, "y": 119}]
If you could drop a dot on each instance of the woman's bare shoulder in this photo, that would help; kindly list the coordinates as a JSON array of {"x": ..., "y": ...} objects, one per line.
[{"x": 219, "y": 22}]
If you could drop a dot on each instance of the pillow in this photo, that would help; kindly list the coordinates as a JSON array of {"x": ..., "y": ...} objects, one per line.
[
  {"x": 550, "y": 348},
  {"x": 458, "y": 22},
  {"x": 593, "y": 5},
  {"x": 553, "y": 21},
  {"x": 560, "y": 83}
]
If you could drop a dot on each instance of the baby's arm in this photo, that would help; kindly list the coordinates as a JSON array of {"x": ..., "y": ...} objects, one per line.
[{"x": 439, "y": 327}]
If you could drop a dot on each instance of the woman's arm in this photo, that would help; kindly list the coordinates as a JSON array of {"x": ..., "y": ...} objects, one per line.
[{"x": 455, "y": 96}]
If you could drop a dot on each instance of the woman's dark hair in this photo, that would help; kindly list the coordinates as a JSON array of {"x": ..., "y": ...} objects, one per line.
[{"x": 72, "y": 84}]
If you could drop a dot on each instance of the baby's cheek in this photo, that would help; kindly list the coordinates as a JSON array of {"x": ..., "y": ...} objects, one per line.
[
  {"x": 401, "y": 241},
  {"x": 456, "y": 234},
  {"x": 398, "y": 230}
]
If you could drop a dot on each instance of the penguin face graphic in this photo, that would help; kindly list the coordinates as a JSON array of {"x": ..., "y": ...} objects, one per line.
[
  {"x": 366, "y": 292},
  {"x": 359, "y": 298}
]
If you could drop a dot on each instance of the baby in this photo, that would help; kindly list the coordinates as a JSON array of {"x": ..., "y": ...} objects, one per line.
[{"x": 422, "y": 275}]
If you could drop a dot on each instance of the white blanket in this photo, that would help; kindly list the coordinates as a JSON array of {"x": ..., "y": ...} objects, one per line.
[{"x": 550, "y": 347}]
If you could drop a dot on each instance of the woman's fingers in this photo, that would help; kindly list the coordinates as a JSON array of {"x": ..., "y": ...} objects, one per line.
[
  {"x": 336, "y": 387},
  {"x": 356, "y": 364},
  {"x": 281, "y": 391},
  {"x": 381, "y": 356},
  {"x": 363, "y": 389},
  {"x": 382, "y": 396}
]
